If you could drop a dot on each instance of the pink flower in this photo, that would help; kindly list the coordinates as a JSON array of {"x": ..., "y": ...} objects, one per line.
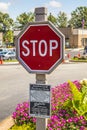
[
  {"x": 14, "y": 115},
  {"x": 34, "y": 120}
]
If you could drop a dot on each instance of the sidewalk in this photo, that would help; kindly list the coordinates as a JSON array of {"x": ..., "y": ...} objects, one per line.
[{"x": 6, "y": 123}]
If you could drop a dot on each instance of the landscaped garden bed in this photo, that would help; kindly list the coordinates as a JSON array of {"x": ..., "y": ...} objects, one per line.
[
  {"x": 69, "y": 109},
  {"x": 78, "y": 58}
]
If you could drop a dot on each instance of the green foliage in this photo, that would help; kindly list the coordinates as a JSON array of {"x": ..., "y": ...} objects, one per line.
[
  {"x": 8, "y": 36},
  {"x": 78, "y": 60},
  {"x": 68, "y": 116},
  {"x": 28, "y": 126},
  {"x": 11, "y": 61},
  {"x": 77, "y": 16},
  {"x": 62, "y": 20},
  {"x": 52, "y": 19},
  {"x": 84, "y": 85},
  {"x": 79, "y": 101},
  {"x": 77, "y": 95},
  {"x": 24, "y": 18},
  {"x": 5, "y": 22}
]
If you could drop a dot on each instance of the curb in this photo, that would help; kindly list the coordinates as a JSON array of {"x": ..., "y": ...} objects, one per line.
[
  {"x": 10, "y": 63},
  {"x": 6, "y": 123}
]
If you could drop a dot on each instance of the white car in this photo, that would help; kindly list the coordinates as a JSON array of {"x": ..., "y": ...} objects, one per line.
[
  {"x": 9, "y": 55},
  {"x": 3, "y": 50}
]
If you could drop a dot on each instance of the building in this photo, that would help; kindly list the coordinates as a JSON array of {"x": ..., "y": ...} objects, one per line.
[{"x": 74, "y": 38}]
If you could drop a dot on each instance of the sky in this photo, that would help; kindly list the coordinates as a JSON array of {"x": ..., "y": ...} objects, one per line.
[{"x": 16, "y": 7}]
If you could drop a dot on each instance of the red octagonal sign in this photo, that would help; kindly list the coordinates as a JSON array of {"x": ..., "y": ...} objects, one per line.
[{"x": 40, "y": 47}]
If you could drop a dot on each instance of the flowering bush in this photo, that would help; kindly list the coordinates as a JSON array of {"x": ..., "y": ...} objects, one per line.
[
  {"x": 60, "y": 94},
  {"x": 64, "y": 115},
  {"x": 69, "y": 108},
  {"x": 66, "y": 119},
  {"x": 21, "y": 114}
]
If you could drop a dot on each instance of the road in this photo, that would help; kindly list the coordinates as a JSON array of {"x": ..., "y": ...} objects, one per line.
[{"x": 15, "y": 80}]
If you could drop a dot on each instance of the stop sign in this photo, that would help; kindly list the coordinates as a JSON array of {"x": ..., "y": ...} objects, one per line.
[{"x": 40, "y": 47}]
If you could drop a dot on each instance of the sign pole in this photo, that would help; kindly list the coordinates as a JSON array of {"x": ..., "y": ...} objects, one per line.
[
  {"x": 40, "y": 122},
  {"x": 40, "y": 15},
  {"x": 38, "y": 43}
]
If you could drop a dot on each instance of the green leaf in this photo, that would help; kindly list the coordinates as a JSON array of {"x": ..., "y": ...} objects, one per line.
[
  {"x": 68, "y": 103},
  {"x": 76, "y": 105},
  {"x": 79, "y": 101},
  {"x": 77, "y": 95}
]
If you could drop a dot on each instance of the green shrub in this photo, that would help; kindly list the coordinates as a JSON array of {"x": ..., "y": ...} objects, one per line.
[{"x": 29, "y": 126}]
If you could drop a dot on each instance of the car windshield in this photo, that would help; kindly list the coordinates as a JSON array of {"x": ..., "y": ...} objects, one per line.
[{"x": 3, "y": 52}]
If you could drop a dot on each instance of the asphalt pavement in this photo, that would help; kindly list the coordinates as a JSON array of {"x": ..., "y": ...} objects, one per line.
[{"x": 15, "y": 80}]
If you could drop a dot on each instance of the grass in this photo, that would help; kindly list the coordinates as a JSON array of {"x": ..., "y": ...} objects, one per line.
[
  {"x": 13, "y": 60},
  {"x": 78, "y": 60}
]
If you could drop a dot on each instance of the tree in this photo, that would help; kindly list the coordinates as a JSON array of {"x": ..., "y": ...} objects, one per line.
[
  {"x": 52, "y": 19},
  {"x": 5, "y": 22},
  {"x": 8, "y": 36},
  {"x": 77, "y": 16},
  {"x": 62, "y": 20},
  {"x": 24, "y": 18}
]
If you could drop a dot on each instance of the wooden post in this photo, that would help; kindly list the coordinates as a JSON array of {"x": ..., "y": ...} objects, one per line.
[
  {"x": 41, "y": 122},
  {"x": 41, "y": 15}
]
